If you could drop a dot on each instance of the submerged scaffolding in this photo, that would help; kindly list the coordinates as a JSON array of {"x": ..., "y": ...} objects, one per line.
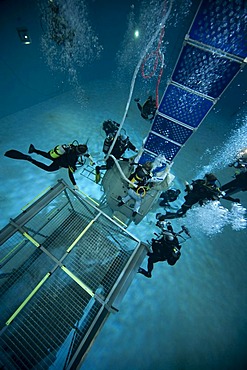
[{"x": 65, "y": 266}]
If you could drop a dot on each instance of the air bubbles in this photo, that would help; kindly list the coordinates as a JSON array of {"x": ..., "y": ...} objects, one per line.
[
  {"x": 68, "y": 42},
  {"x": 229, "y": 150},
  {"x": 212, "y": 218}
]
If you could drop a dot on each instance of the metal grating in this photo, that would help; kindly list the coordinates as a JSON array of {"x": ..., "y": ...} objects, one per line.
[
  {"x": 161, "y": 146},
  {"x": 223, "y": 25},
  {"x": 64, "y": 264},
  {"x": 184, "y": 106},
  {"x": 39, "y": 334},
  {"x": 171, "y": 130},
  {"x": 204, "y": 71}
]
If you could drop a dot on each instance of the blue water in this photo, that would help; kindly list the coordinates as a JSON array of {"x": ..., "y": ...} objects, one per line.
[{"x": 187, "y": 317}]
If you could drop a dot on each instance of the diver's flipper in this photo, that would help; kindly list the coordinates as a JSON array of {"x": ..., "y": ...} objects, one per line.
[
  {"x": 97, "y": 178},
  {"x": 15, "y": 154},
  {"x": 170, "y": 215},
  {"x": 97, "y": 175}
]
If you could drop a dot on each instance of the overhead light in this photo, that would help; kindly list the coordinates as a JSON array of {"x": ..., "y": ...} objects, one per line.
[
  {"x": 136, "y": 34},
  {"x": 24, "y": 36}
]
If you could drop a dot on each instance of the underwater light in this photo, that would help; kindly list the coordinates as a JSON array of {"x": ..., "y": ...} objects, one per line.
[
  {"x": 136, "y": 34},
  {"x": 24, "y": 36}
]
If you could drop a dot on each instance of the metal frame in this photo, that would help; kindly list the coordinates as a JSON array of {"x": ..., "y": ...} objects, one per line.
[{"x": 76, "y": 344}]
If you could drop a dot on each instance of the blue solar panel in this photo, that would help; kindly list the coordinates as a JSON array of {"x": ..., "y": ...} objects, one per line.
[
  {"x": 145, "y": 157},
  {"x": 204, "y": 72},
  {"x": 223, "y": 25},
  {"x": 161, "y": 146},
  {"x": 219, "y": 24},
  {"x": 151, "y": 158},
  {"x": 171, "y": 130},
  {"x": 184, "y": 106}
]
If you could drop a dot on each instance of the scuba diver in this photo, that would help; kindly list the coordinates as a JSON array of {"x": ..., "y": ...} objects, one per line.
[
  {"x": 66, "y": 156},
  {"x": 200, "y": 191},
  {"x": 235, "y": 186},
  {"x": 141, "y": 180},
  {"x": 148, "y": 109},
  {"x": 110, "y": 127},
  {"x": 240, "y": 181},
  {"x": 169, "y": 195},
  {"x": 241, "y": 160},
  {"x": 164, "y": 248},
  {"x": 121, "y": 145}
]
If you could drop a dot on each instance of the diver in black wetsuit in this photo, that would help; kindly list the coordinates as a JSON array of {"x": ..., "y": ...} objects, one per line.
[
  {"x": 236, "y": 185},
  {"x": 166, "y": 248},
  {"x": 121, "y": 145},
  {"x": 66, "y": 156},
  {"x": 199, "y": 191},
  {"x": 169, "y": 196},
  {"x": 148, "y": 109},
  {"x": 240, "y": 181}
]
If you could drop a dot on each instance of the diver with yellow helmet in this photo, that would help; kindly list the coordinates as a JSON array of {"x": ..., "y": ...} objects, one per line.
[
  {"x": 141, "y": 180},
  {"x": 65, "y": 156}
]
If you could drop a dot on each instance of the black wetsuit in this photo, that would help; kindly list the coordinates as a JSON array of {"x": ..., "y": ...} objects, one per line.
[
  {"x": 169, "y": 196},
  {"x": 200, "y": 193},
  {"x": 163, "y": 250},
  {"x": 236, "y": 185},
  {"x": 118, "y": 150},
  {"x": 148, "y": 108},
  {"x": 66, "y": 160}
]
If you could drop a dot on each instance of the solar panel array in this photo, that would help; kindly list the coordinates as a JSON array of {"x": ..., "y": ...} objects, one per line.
[{"x": 213, "y": 53}]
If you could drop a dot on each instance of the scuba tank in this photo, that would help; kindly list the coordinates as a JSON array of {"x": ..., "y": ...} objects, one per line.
[
  {"x": 57, "y": 151},
  {"x": 110, "y": 127},
  {"x": 107, "y": 143}
]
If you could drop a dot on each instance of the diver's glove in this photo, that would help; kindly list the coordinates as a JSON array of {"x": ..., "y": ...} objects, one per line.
[
  {"x": 76, "y": 187},
  {"x": 188, "y": 187}
]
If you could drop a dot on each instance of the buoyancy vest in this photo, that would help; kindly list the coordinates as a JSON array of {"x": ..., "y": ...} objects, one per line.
[
  {"x": 140, "y": 178},
  {"x": 58, "y": 151}
]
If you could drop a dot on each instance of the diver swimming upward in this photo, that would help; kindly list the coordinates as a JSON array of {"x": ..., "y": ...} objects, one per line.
[
  {"x": 148, "y": 109},
  {"x": 166, "y": 247},
  {"x": 65, "y": 156}
]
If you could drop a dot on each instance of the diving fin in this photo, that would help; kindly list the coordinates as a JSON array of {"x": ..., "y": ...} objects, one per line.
[
  {"x": 170, "y": 215},
  {"x": 97, "y": 178},
  {"x": 97, "y": 175},
  {"x": 15, "y": 154}
]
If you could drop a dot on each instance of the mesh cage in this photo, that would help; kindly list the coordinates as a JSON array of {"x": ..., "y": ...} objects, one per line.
[{"x": 64, "y": 264}]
